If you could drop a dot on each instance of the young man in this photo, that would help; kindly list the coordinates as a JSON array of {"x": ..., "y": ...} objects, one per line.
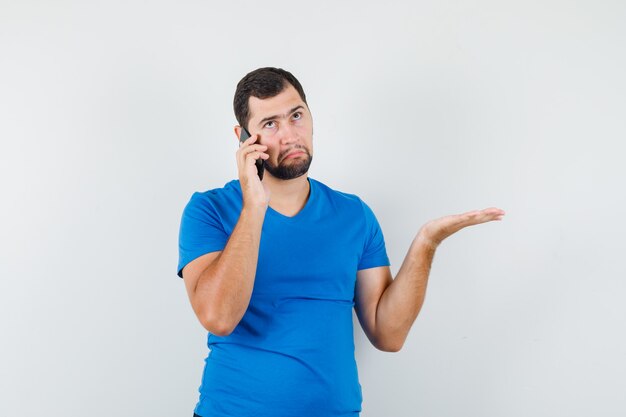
[{"x": 273, "y": 268}]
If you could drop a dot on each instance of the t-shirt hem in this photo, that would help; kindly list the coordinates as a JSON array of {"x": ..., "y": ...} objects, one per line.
[
  {"x": 195, "y": 255},
  {"x": 373, "y": 263}
]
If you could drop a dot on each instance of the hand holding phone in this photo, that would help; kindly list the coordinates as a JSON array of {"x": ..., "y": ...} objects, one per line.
[{"x": 259, "y": 162}]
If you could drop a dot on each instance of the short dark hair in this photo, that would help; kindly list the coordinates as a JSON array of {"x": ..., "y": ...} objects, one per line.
[{"x": 262, "y": 83}]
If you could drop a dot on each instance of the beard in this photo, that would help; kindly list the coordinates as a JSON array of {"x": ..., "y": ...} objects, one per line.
[{"x": 294, "y": 169}]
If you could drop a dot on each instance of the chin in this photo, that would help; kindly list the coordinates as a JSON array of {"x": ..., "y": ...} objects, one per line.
[{"x": 290, "y": 171}]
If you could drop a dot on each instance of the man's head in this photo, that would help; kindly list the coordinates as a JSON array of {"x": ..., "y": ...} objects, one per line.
[
  {"x": 270, "y": 102},
  {"x": 262, "y": 83}
]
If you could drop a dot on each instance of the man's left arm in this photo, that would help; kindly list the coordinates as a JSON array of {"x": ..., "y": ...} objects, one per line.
[{"x": 387, "y": 307}]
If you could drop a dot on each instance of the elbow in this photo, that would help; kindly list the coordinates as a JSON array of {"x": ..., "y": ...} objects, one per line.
[
  {"x": 211, "y": 318},
  {"x": 217, "y": 327},
  {"x": 391, "y": 346}
]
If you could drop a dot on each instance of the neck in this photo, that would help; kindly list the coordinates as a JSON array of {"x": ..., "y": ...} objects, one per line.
[{"x": 287, "y": 196}]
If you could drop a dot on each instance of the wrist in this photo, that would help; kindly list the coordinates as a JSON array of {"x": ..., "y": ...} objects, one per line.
[
  {"x": 424, "y": 238},
  {"x": 254, "y": 208}
]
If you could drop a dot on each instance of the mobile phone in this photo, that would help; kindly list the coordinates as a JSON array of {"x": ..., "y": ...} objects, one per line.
[{"x": 259, "y": 162}]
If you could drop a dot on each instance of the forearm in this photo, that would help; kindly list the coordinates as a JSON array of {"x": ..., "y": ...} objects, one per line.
[
  {"x": 226, "y": 285},
  {"x": 402, "y": 300}
]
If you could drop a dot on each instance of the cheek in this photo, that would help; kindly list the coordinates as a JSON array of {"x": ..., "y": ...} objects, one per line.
[
  {"x": 305, "y": 133},
  {"x": 304, "y": 127},
  {"x": 269, "y": 141},
  {"x": 272, "y": 151}
]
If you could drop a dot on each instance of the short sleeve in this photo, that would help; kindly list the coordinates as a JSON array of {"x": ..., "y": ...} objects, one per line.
[
  {"x": 201, "y": 231},
  {"x": 374, "y": 251}
]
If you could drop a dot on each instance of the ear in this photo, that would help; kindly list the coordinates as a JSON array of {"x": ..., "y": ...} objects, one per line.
[{"x": 237, "y": 132}]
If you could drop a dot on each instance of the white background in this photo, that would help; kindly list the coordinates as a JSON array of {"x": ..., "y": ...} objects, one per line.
[{"x": 113, "y": 113}]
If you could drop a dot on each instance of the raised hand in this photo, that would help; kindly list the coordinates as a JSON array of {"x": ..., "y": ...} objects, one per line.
[
  {"x": 435, "y": 231},
  {"x": 255, "y": 193}
]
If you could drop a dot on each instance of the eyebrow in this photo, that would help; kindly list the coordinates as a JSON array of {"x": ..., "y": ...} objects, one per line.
[{"x": 278, "y": 115}]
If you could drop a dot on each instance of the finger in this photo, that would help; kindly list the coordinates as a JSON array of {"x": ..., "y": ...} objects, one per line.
[
  {"x": 253, "y": 156},
  {"x": 251, "y": 148},
  {"x": 496, "y": 214},
  {"x": 494, "y": 210},
  {"x": 253, "y": 152},
  {"x": 477, "y": 217},
  {"x": 484, "y": 215},
  {"x": 249, "y": 141},
  {"x": 243, "y": 152}
]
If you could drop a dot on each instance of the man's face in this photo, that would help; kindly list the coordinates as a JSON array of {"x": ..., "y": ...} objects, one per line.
[{"x": 285, "y": 126}]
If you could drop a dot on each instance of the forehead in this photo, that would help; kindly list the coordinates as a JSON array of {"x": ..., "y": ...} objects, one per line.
[{"x": 277, "y": 105}]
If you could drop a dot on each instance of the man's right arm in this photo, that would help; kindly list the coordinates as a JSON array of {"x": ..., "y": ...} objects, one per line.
[{"x": 219, "y": 284}]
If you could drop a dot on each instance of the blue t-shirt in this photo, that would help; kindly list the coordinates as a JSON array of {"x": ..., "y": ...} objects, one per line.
[{"x": 292, "y": 353}]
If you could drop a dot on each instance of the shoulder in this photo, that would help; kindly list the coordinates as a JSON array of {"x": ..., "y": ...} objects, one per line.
[
  {"x": 332, "y": 193},
  {"x": 231, "y": 190},
  {"x": 214, "y": 199},
  {"x": 341, "y": 198}
]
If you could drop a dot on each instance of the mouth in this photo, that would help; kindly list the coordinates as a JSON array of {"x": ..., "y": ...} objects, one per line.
[{"x": 294, "y": 153}]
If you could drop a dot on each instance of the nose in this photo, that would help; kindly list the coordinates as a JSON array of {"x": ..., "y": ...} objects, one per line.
[{"x": 288, "y": 134}]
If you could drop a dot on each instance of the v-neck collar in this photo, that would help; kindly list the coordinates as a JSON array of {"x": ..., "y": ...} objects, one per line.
[{"x": 303, "y": 212}]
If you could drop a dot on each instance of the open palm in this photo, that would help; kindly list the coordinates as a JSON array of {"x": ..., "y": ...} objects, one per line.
[{"x": 435, "y": 231}]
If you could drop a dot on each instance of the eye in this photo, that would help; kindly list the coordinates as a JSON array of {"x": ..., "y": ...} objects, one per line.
[
  {"x": 297, "y": 115},
  {"x": 269, "y": 124}
]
